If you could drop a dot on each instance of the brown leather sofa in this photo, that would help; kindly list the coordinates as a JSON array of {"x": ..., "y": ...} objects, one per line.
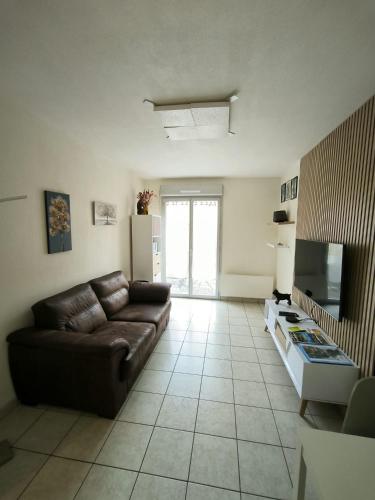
[{"x": 89, "y": 343}]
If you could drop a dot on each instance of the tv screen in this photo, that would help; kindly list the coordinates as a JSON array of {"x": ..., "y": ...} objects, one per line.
[{"x": 318, "y": 274}]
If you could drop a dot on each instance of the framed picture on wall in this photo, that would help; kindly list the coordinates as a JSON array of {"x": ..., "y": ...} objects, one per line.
[
  {"x": 282, "y": 195},
  {"x": 294, "y": 188},
  {"x": 288, "y": 190},
  {"x": 104, "y": 214},
  {"x": 59, "y": 236}
]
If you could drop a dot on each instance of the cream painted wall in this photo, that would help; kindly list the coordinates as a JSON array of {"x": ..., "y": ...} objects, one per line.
[
  {"x": 35, "y": 157},
  {"x": 248, "y": 204},
  {"x": 287, "y": 235}
]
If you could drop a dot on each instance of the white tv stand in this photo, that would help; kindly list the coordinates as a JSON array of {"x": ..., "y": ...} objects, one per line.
[{"x": 324, "y": 382}]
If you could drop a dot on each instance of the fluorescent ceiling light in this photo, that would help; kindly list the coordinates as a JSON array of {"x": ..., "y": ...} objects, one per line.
[{"x": 197, "y": 120}]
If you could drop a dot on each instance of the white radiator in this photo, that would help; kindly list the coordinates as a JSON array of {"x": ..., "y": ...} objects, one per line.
[{"x": 246, "y": 286}]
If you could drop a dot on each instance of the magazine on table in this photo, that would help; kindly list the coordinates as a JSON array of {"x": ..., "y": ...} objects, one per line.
[
  {"x": 299, "y": 335},
  {"x": 325, "y": 354}
]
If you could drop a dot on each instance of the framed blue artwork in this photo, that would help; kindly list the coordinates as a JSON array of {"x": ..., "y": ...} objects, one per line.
[{"x": 59, "y": 233}]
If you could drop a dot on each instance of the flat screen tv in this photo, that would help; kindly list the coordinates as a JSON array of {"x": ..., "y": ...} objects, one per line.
[{"x": 318, "y": 273}]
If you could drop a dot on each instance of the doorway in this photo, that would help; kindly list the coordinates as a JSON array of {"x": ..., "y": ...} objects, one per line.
[{"x": 191, "y": 246}]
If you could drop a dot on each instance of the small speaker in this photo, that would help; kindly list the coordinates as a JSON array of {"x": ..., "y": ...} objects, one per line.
[{"x": 280, "y": 216}]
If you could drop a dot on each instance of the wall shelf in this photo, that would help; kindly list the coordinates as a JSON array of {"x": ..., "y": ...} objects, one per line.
[{"x": 277, "y": 245}]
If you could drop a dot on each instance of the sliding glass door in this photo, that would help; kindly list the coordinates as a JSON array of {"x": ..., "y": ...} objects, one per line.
[
  {"x": 191, "y": 251},
  {"x": 177, "y": 246}
]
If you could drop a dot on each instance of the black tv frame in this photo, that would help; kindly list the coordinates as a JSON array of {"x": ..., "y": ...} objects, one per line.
[{"x": 341, "y": 308}]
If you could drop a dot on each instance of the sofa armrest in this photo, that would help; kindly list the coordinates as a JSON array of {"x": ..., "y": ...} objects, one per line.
[
  {"x": 105, "y": 345},
  {"x": 142, "y": 291}
]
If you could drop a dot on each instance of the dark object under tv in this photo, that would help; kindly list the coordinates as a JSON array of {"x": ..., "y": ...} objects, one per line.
[
  {"x": 280, "y": 216},
  {"x": 318, "y": 273}
]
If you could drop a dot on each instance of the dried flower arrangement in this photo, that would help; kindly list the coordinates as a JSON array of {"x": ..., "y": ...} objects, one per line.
[
  {"x": 144, "y": 199},
  {"x": 58, "y": 221},
  {"x": 59, "y": 216}
]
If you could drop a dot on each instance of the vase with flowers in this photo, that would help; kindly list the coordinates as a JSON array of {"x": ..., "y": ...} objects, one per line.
[{"x": 144, "y": 199}]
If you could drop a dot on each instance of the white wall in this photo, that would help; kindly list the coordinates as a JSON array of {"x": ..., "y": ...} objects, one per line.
[
  {"x": 35, "y": 157},
  {"x": 287, "y": 235},
  {"x": 248, "y": 205}
]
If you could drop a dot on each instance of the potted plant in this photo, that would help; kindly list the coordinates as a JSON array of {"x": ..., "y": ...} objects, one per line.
[{"x": 144, "y": 199}]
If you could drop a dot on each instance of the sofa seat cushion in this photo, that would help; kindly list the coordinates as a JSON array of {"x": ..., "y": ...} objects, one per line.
[
  {"x": 147, "y": 313},
  {"x": 76, "y": 309}
]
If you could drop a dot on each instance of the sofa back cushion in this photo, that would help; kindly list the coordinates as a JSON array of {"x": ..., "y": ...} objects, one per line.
[
  {"x": 76, "y": 309},
  {"x": 112, "y": 291}
]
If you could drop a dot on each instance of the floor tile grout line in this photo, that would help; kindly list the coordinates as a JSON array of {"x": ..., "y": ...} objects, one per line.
[
  {"x": 30, "y": 426},
  {"x": 112, "y": 428},
  {"x": 34, "y": 475},
  {"x": 236, "y": 430},
  {"x": 229, "y": 359},
  {"x": 195, "y": 423},
  {"x": 96, "y": 457},
  {"x": 279, "y": 436},
  {"x": 50, "y": 454},
  {"x": 240, "y": 404},
  {"x": 152, "y": 433},
  {"x": 80, "y": 460}
]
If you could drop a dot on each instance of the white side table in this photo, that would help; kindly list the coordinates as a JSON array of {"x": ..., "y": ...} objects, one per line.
[{"x": 340, "y": 466}]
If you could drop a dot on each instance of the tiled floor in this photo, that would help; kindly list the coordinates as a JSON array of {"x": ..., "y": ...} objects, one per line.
[{"x": 213, "y": 416}]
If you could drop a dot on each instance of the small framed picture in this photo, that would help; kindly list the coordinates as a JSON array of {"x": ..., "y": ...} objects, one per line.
[
  {"x": 294, "y": 188},
  {"x": 288, "y": 190},
  {"x": 283, "y": 190},
  {"x": 105, "y": 214}
]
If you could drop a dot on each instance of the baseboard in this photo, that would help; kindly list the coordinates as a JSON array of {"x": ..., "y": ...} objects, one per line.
[
  {"x": 4, "y": 410},
  {"x": 242, "y": 299}
]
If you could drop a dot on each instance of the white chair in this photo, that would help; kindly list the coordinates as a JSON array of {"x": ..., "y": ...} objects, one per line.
[{"x": 360, "y": 414}]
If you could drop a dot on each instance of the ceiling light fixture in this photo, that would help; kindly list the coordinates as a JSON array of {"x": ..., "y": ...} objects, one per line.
[{"x": 197, "y": 120}]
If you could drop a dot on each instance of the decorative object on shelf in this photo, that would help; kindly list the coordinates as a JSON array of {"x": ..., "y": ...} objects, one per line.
[
  {"x": 283, "y": 192},
  {"x": 281, "y": 296},
  {"x": 288, "y": 190},
  {"x": 280, "y": 216},
  {"x": 59, "y": 234},
  {"x": 294, "y": 188},
  {"x": 144, "y": 199},
  {"x": 104, "y": 214}
]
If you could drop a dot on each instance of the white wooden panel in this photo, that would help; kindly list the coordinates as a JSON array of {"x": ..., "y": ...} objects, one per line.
[{"x": 245, "y": 286}]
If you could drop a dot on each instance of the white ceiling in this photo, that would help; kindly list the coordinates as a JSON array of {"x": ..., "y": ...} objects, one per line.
[{"x": 300, "y": 68}]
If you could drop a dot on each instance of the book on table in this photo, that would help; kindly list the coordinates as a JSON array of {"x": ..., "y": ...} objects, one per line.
[
  {"x": 310, "y": 336},
  {"x": 325, "y": 354}
]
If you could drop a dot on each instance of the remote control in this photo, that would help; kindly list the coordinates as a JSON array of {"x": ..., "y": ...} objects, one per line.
[{"x": 287, "y": 313}]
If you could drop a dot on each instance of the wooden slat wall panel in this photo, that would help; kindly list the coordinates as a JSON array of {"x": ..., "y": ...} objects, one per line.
[{"x": 336, "y": 203}]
